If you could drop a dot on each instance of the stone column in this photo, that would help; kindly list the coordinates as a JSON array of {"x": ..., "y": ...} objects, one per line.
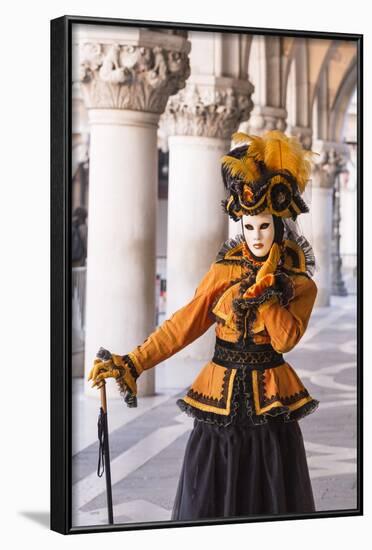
[
  {"x": 199, "y": 121},
  {"x": 266, "y": 71},
  {"x": 304, "y": 135},
  {"x": 338, "y": 163},
  {"x": 321, "y": 209},
  {"x": 323, "y": 222},
  {"x": 127, "y": 76}
]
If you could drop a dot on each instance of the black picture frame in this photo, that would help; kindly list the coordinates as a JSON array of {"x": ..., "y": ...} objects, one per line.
[{"x": 61, "y": 379}]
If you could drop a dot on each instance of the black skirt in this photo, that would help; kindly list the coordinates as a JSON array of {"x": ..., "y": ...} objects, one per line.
[{"x": 239, "y": 470}]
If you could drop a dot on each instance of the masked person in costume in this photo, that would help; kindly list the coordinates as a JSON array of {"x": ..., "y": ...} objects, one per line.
[{"x": 245, "y": 454}]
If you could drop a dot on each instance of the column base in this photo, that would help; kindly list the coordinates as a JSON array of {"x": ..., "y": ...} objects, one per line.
[
  {"x": 339, "y": 289},
  {"x": 323, "y": 298}
]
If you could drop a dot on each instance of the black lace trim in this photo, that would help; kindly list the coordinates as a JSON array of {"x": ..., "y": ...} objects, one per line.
[
  {"x": 255, "y": 357},
  {"x": 245, "y": 309},
  {"x": 308, "y": 251},
  {"x": 125, "y": 392},
  {"x": 303, "y": 411},
  {"x": 249, "y": 264},
  {"x": 206, "y": 416},
  {"x": 309, "y": 254},
  {"x": 132, "y": 368},
  {"x": 227, "y": 246},
  {"x": 248, "y": 261},
  {"x": 242, "y": 408},
  {"x": 211, "y": 417}
]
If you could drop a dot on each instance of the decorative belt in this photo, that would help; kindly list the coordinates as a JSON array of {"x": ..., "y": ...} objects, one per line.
[{"x": 253, "y": 356}]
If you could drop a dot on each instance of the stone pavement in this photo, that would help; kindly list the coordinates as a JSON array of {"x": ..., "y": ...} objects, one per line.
[{"x": 147, "y": 443}]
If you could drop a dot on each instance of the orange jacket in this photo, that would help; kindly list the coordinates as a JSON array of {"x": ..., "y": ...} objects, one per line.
[{"x": 275, "y": 390}]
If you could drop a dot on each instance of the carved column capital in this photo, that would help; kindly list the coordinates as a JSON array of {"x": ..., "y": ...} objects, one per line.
[
  {"x": 265, "y": 118},
  {"x": 323, "y": 145},
  {"x": 330, "y": 163},
  {"x": 303, "y": 134},
  {"x": 133, "y": 69},
  {"x": 213, "y": 108}
]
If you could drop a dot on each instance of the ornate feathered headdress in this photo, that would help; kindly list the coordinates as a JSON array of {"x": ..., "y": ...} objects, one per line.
[{"x": 266, "y": 174}]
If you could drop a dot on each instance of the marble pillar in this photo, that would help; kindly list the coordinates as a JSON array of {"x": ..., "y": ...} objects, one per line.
[
  {"x": 199, "y": 122},
  {"x": 266, "y": 70},
  {"x": 126, "y": 76},
  {"x": 322, "y": 237},
  {"x": 305, "y": 221},
  {"x": 324, "y": 176}
]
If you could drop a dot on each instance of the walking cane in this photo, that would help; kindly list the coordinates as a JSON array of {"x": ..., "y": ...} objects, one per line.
[{"x": 103, "y": 438}]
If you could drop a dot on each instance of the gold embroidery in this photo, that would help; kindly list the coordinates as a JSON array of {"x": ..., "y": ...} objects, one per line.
[
  {"x": 262, "y": 410},
  {"x": 211, "y": 408}
]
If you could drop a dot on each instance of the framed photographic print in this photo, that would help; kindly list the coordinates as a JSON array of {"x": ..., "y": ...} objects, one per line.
[{"x": 206, "y": 220}]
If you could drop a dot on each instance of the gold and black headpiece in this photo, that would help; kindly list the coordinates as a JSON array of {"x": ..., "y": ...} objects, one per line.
[{"x": 267, "y": 174}]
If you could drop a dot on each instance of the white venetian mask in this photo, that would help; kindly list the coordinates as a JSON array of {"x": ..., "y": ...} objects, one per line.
[{"x": 259, "y": 233}]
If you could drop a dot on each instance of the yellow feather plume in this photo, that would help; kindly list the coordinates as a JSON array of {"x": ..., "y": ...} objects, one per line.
[
  {"x": 256, "y": 145},
  {"x": 276, "y": 150},
  {"x": 244, "y": 168},
  {"x": 286, "y": 153},
  {"x": 279, "y": 152},
  {"x": 240, "y": 137}
]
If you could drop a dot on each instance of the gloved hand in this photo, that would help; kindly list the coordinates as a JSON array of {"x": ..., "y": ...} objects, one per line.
[
  {"x": 271, "y": 263},
  {"x": 257, "y": 289},
  {"x": 265, "y": 277},
  {"x": 110, "y": 365}
]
